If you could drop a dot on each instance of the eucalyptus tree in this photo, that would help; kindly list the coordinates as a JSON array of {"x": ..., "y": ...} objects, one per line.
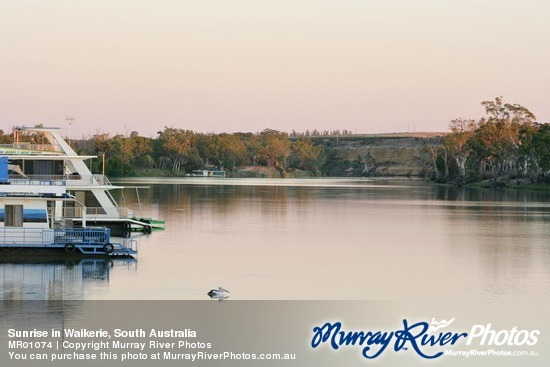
[
  {"x": 502, "y": 133},
  {"x": 457, "y": 143},
  {"x": 174, "y": 146},
  {"x": 305, "y": 155},
  {"x": 5, "y": 138},
  {"x": 538, "y": 152},
  {"x": 274, "y": 149},
  {"x": 433, "y": 145}
]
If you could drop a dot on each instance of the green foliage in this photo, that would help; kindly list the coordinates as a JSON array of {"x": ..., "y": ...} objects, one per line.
[
  {"x": 334, "y": 165},
  {"x": 117, "y": 168},
  {"x": 457, "y": 143},
  {"x": 177, "y": 151},
  {"x": 538, "y": 149},
  {"x": 506, "y": 142},
  {"x": 175, "y": 146},
  {"x": 223, "y": 150},
  {"x": 5, "y": 138},
  {"x": 306, "y": 156},
  {"x": 273, "y": 149}
]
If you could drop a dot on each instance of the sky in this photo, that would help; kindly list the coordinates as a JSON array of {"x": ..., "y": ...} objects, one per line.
[{"x": 367, "y": 66}]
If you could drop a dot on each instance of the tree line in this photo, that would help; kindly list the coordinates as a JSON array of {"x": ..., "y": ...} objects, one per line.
[
  {"x": 315, "y": 132},
  {"x": 178, "y": 151},
  {"x": 506, "y": 143}
]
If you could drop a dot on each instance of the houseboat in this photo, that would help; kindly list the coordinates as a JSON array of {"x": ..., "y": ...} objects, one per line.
[
  {"x": 52, "y": 159},
  {"x": 208, "y": 173},
  {"x": 33, "y": 220}
]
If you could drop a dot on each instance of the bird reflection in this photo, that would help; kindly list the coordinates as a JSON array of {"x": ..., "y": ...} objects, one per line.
[{"x": 220, "y": 294}]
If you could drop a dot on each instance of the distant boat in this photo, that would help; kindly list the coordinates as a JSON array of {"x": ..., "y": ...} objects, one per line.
[{"x": 208, "y": 173}]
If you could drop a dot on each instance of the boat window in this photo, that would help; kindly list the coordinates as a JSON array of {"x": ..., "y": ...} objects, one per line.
[{"x": 13, "y": 215}]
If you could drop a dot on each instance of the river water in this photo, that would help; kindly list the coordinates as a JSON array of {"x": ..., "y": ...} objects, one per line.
[{"x": 316, "y": 239}]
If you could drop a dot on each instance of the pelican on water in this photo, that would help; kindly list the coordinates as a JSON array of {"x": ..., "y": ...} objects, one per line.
[{"x": 217, "y": 293}]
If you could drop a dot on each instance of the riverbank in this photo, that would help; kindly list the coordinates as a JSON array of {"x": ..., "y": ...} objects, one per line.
[
  {"x": 384, "y": 155},
  {"x": 511, "y": 184},
  {"x": 499, "y": 183}
]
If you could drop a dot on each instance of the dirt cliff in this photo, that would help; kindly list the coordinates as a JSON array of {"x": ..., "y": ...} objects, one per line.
[{"x": 381, "y": 155}]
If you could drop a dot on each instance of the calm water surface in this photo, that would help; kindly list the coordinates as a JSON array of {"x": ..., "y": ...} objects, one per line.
[{"x": 334, "y": 239}]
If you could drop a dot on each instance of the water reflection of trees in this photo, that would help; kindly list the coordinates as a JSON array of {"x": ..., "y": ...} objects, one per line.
[
  {"x": 499, "y": 237},
  {"x": 440, "y": 192}
]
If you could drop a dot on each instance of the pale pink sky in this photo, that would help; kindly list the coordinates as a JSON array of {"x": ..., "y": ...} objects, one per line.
[{"x": 246, "y": 65}]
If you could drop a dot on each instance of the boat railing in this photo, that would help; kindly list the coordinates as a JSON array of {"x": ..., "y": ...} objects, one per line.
[
  {"x": 26, "y": 146},
  {"x": 128, "y": 243},
  {"x": 95, "y": 212},
  {"x": 103, "y": 180},
  {"x": 38, "y": 180},
  {"x": 71, "y": 213},
  {"x": 82, "y": 235},
  {"x": 70, "y": 180},
  {"x": 17, "y": 235},
  {"x": 11, "y": 236}
]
